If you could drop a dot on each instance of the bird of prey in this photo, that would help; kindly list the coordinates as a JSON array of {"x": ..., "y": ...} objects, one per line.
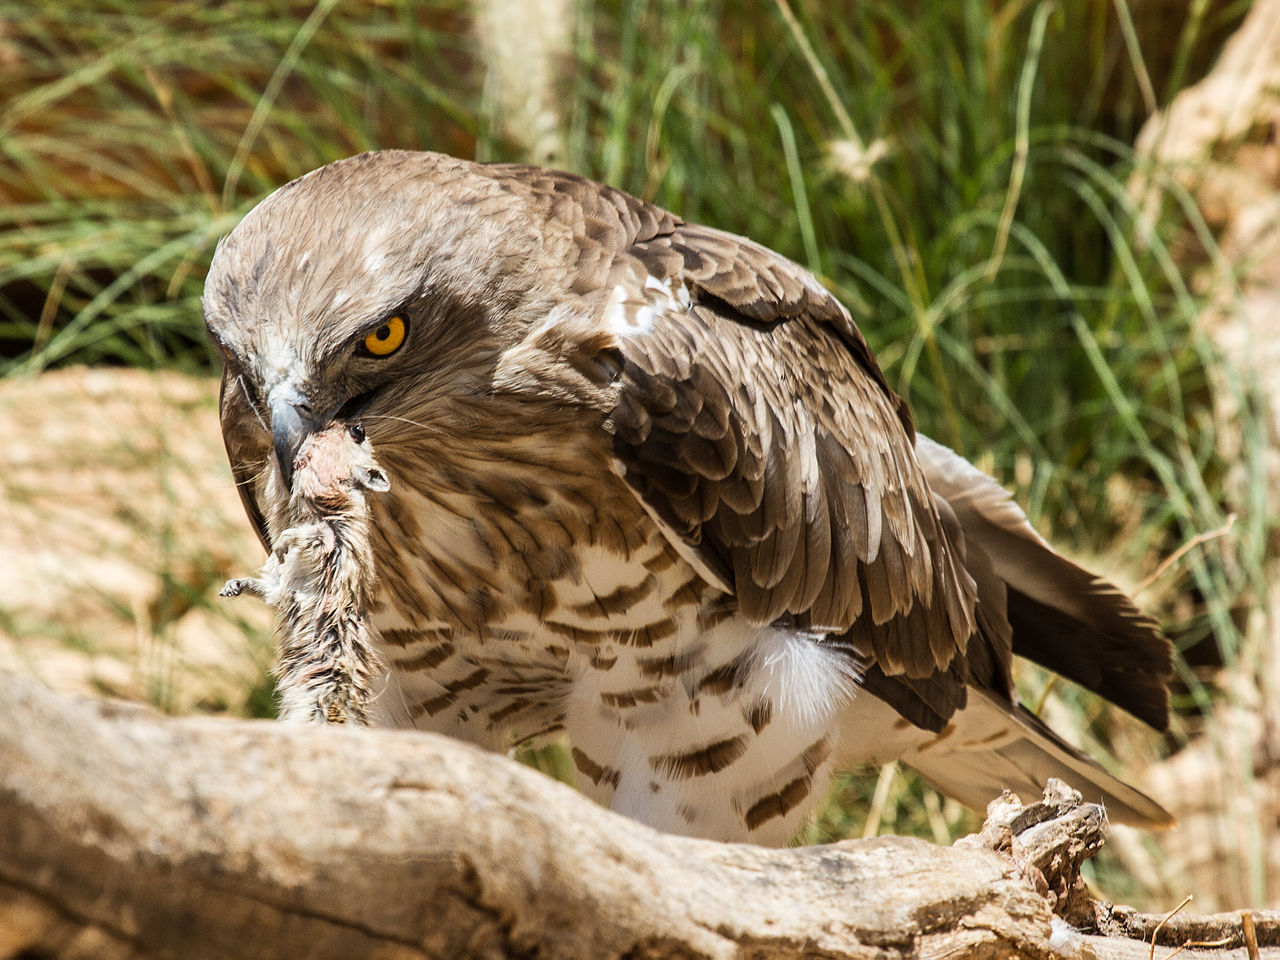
[{"x": 650, "y": 489}]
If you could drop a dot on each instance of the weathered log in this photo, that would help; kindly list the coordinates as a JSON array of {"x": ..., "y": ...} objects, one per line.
[
  {"x": 124, "y": 834},
  {"x": 213, "y": 838},
  {"x": 1048, "y": 841}
]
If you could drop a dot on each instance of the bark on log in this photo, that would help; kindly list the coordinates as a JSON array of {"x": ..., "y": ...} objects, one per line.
[
  {"x": 210, "y": 838},
  {"x": 124, "y": 834}
]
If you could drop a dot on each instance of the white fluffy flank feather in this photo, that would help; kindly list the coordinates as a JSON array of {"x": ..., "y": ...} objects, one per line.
[{"x": 806, "y": 678}]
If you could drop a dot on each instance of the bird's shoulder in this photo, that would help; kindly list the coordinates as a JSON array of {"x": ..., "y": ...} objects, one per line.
[{"x": 747, "y": 413}]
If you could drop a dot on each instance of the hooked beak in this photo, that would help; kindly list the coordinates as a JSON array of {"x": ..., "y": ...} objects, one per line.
[{"x": 292, "y": 421}]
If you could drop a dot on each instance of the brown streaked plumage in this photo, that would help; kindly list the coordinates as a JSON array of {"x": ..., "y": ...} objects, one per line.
[{"x": 650, "y": 488}]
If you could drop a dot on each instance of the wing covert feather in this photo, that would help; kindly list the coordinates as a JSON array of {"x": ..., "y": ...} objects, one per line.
[{"x": 754, "y": 421}]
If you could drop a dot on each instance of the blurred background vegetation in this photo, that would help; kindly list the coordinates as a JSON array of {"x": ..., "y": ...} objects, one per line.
[{"x": 962, "y": 173}]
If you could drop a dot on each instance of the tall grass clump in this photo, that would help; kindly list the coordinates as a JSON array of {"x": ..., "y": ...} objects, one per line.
[{"x": 133, "y": 135}]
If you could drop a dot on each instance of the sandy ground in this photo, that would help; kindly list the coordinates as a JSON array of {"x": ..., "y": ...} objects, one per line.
[{"x": 118, "y": 524}]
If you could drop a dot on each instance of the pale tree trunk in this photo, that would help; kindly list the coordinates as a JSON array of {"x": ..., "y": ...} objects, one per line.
[
  {"x": 524, "y": 47},
  {"x": 125, "y": 834}
]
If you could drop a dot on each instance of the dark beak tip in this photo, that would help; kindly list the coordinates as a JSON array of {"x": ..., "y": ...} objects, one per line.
[{"x": 289, "y": 429}]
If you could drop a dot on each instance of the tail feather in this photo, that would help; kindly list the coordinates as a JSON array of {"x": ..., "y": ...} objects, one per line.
[
  {"x": 963, "y": 728},
  {"x": 1062, "y": 616},
  {"x": 990, "y": 749}
]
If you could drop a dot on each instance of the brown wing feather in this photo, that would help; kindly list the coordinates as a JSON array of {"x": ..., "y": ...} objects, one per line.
[
  {"x": 756, "y": 424},
  {"x": 758, "y": 285}
]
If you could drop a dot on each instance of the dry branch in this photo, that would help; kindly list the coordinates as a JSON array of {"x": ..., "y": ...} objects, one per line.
[{"x": 124, "y": 834}]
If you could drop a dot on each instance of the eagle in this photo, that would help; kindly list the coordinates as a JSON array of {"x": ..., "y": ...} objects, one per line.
[{"x": 650, "y": 490}]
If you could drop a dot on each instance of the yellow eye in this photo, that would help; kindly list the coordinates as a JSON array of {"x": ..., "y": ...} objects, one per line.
[{"x": 387, "y": 339}]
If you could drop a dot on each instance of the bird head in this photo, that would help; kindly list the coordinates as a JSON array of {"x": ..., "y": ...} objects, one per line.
[{"x": 370, "y": 281}]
